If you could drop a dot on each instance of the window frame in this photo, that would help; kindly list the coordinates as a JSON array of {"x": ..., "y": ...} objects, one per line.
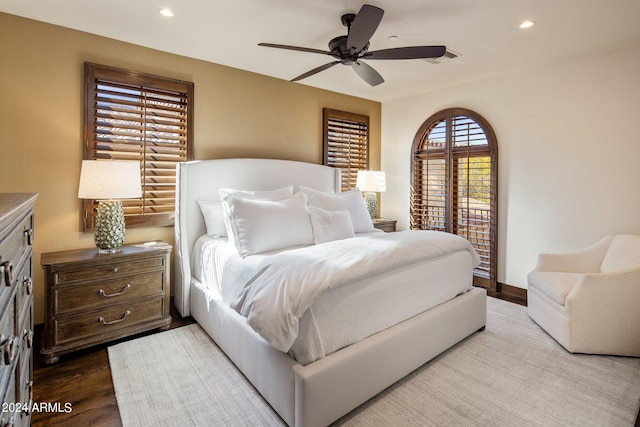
[
  {"x": 354, "y": 156},
  {"x": 147, "y": 152},
  {"x": 450, "y": 155}
]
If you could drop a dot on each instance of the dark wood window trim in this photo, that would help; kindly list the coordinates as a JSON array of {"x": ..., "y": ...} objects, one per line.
[
  {"x": 137, "y": 116},
  {"x": 346, "y": 144},
  {"x": 452, "y": 153}
]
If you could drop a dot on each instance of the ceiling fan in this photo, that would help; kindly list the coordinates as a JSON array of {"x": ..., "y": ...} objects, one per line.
[{"x": 353, "y": 48}]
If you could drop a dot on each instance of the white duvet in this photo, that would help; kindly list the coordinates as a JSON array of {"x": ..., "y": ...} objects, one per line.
[{"x": 287, "y": 284}]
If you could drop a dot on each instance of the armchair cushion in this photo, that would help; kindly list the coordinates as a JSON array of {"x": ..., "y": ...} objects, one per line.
[
  {"x": 554, "y": 285},
  {"x": 623, "y": 254}
]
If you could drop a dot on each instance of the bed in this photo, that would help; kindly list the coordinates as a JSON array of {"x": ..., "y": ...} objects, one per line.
[{"x": 318, "y": 388}]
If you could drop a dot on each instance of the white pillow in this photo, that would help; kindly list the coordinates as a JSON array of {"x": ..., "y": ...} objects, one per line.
[
  {"x": 213, "y": 218},
  {"x": 266, "y": 225},
  {"x": 330, "y": 225},
  {"x": 350, "y": 200},
  {"x": 279, "y": 194}
]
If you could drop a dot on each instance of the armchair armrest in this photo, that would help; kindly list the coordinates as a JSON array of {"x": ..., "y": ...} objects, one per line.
[
  {"x": 587, "y": 260},
  {"x": 603, "y": 308}
]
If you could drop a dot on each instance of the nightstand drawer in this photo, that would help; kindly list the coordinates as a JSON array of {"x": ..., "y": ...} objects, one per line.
[
  {"x": 108, "y": 271},
  {"x": 105, "y": 322},
  {"x": 101, "y": 294}
]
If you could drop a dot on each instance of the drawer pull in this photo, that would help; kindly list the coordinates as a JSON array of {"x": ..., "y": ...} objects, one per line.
[
  {"x": 28, "y": 337},
  {"x": 115, "y": 294},
  {"x": 29, "y": 235},
  {"x": 27, "y": 282},
  {"x": 8, "y": 272},
  {"x": 8, "y": 349},
  {"x": 124, "y": 316}
]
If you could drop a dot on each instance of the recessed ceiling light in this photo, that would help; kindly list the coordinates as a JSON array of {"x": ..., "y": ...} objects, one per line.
[
  {"x": 527, "y": 24},
  {"x": 166, "y": 12},
  {"x": 392, "y": 38}
]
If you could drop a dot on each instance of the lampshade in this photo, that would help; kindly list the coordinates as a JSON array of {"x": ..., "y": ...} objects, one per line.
[
  {"x": 106, "y": 179},
  {"x": 371, "y": 181}
]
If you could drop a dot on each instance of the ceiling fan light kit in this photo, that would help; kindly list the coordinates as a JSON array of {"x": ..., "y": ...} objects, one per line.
[{"x": 353, "y": 48}]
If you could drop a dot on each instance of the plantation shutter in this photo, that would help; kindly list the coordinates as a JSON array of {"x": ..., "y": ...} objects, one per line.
[
  {"x": 429, "y": 195},
  {"x": 454, "y": 183},
  {"x": 346, "y": 144},
  {"x": 135, "y": 116}
]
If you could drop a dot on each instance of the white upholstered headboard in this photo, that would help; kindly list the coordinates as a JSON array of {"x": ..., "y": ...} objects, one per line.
[{"x": 201, "y": 180}]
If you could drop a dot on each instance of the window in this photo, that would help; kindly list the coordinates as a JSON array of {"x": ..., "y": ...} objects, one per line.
[
  {"x": 346, "y": 144},
  {"x": 136, "y": 116},
  {"x": 454, "y": 183}
]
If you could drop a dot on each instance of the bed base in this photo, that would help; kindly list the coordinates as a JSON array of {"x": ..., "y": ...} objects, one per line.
[{"x": 323, "y": 391}]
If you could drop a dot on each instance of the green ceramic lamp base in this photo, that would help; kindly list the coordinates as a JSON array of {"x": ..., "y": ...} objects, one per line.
[{"x": 110, "y": 228}]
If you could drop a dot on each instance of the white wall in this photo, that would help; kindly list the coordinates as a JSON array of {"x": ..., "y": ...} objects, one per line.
[{"x": 568, "y": 148}]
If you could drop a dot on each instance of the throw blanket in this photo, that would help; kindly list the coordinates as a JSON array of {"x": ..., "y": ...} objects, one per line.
[{"x": 288, "y": 283}]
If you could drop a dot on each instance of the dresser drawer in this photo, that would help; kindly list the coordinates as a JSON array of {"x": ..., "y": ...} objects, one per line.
[
  {"x": 102, "y": 294},
  {"x": 13, "y": 247},
  {"x": 106, "y": 322},
  {"x": 25, "y": 384},
  {"x": 24, "y": 286},
  {"x": 8, "y": 341},
  {"x": 107, "y": 271},
  {"x": 25, "y": 332},
  {"x": 10, "y": 416}
]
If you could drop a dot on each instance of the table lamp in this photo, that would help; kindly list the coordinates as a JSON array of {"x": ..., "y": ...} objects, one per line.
[
  {"x": 108, "y": 182},
  {"x": 370, "y": 183}
]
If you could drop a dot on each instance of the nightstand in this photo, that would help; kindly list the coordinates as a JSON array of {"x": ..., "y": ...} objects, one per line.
[
  {"x": 93, "y": 298},
  {"x": 384, "y": 224}
]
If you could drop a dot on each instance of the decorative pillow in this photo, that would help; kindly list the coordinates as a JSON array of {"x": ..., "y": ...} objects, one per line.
[
  {"x": 279, "y": 194},
  {"x": 266, "y": 225},
  {"x": 330, "y": 225},
  {"x": 213, "y": 218},
  {"x": 350, "y": 200},
  {"x": 623, "y": 254}
]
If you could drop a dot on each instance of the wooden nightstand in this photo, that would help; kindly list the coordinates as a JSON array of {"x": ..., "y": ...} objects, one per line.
[
  {"x": 384, "y": 224},
  {"x": 93, "y": 298}
]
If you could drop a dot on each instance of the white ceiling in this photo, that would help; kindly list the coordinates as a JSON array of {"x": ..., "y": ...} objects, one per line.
[{"x": 484, "y": 33}]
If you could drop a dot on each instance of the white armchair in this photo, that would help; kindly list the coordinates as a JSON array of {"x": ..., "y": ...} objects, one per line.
[{"x": 589, "y": 300}]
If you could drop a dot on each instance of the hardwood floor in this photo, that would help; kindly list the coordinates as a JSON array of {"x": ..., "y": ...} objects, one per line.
[{"x": 83, "y": 379}]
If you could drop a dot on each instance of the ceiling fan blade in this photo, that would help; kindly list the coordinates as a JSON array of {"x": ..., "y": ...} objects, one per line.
[
  {"x": 315, "y": 71},
  {"x": 300, "y": 49},
  {"x": 412, "y": 52},
  {"x": 367, "y": 73},
  {"x": 364, "y": 25}
]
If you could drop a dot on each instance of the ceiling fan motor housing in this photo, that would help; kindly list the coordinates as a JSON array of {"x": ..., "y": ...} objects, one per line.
[{"x": 339, "y": 50}]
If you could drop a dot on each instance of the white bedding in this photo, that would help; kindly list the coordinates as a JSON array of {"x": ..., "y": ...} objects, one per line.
[{"x": 361, "y": 306}]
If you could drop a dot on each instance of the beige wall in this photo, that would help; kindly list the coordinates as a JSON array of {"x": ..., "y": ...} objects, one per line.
[
  {"x": 237, "y": 114},
  {"x": 568, "y": 153}
]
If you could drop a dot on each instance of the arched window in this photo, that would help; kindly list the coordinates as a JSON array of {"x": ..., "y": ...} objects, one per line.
[{"x": 454, "y": 183}]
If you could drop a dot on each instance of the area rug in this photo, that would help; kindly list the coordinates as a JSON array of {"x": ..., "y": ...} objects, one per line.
[{"x": 511, "y": 374}]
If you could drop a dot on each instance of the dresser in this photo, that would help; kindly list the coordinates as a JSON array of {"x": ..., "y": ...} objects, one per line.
[
  {"x": 16, "y": 307},
  {"x": 93, "y": 297}
]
